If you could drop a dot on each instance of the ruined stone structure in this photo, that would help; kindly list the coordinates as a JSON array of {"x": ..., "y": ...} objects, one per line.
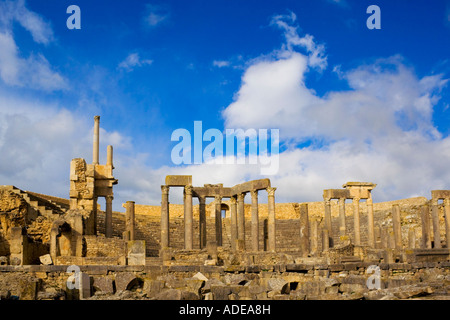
[
  {"x": 236, "y": 194},
  {"x": 257, "y": 250}
]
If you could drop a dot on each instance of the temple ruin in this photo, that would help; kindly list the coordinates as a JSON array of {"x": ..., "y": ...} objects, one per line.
[{"x": 255, "y": 250}]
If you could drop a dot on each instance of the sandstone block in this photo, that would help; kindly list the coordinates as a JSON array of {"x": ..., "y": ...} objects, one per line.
[
  {"x": 103, "y": 284},
  {"x": 125, "y": 281},
  {"x": 46, "y": 259}
]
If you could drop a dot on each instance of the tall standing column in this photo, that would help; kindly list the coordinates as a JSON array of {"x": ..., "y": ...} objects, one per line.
[
  {"x": 342, "y": 226},
  {"x": 255, "y": 221},
  {"x": 241, "y": 216},
  {"x": 218, "y": 218},
  {"x": 109, "y": 156},
  {"x": 108, "y": 217},
  {"x": 426, "y": 236},
  {"x": 396, "y": 222},
  {"x": 314, "y": 236},
  {"x": 95, "y": 150},
  {"x": 164, "y": 217},
  {"x": 271, "y": 219},
  {"x": 130, "y": 222},
  {"x": 371, "y": 226},
  {"x": 304, "y": 229},
  {"x": 234, "y": 227},
  {"x": 436, "y": 229},
  {"x": 327, "y": 221},
  {"x": 188, "y": 219},
  {"x": 356, "y": 221},
  {"x": 202, "y": 221},
  {"x": 447, "y": 220}
]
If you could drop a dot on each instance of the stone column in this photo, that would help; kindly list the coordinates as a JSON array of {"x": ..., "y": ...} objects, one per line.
[
  {"x": 130, "y": 223},
  {"x": 108, "y": 217},
  {"x": 384, "y": 237},
  {"x": 218, "y": 219},
  {"x": 188, "y": 219},
  {"x": 412, "y": 238},
  {"x": 396, "y": 223},
  {"x": 327, "y": 221},
  {"x": 164, "y": 217},
  {"x": 241, "y": 216},
  {"x": 234, "y": 227},
  {"x": 342, "y": 226},
  {"x": 95, "y": 151},
  {"x": 202, "y": 221},
  {"x": 109, "y": 156},
  {"x": 325, "y": 240},
  {"x": 314, "y": 236},
  {"x": 377, "y": 232},
  {"x": 304, "y": 229},
  {"x": 426, "y": 236},
  {"x": 356, "y": 221},
  {"x": 435, "y": 217},
  {"x": 447, "y": 220},
  {"x": 371, "y": 226},
  {"x": 271, "y": 219},
  {"x": 255, "y": 221}
]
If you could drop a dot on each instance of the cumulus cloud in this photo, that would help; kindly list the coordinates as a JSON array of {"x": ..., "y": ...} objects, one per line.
[
  {"x": 33, "y": 71},
  {"x": 132, "y": 61},
  {"x": 316, "y": 52},
  {"x": 380, "y": 130}
]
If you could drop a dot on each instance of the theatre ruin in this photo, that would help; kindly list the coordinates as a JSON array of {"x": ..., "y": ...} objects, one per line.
[{"x": 224, "y": 247}]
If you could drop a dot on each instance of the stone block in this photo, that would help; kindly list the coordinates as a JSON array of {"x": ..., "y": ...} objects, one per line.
[
  {"x": 176, "y": 294},
  {"x": 178, "y": 180},
  {"x": 136, "y": 252},
  {"x": 104, "y": 284},
  {"x": 125, "y": 281},
  {"x": 220, "y": 292},
  {"x": 85, "y": 285},
  {"x": 46, "y": 259}
]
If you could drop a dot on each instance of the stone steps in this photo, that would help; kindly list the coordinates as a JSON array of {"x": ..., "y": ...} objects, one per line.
[{"x": 42, "y": 206}]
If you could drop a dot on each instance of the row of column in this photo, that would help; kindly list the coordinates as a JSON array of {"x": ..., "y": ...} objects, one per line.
[
  {"x": 356, "y": 220},
  {"x": 237, "y": 219},
  {"x": 426, "y": 226}
]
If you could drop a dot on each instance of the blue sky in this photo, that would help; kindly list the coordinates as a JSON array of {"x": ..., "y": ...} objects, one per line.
[{"x": 350, "y": 103}]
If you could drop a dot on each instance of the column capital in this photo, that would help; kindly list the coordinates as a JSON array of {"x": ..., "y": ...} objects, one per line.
[
  {"x": 327, "y": 201},
  {"x": 241, "y": 196},
  {"x": 202, "y": 199},
  {"x": 188, "y": 189},
  {"x": 233, "y": 200},
  {"x": 271, "y": 191},
  {"x": 218, "y": 198},
  {"x": 369, "y": 200},
  {"x": 165, "y": 189},
  {"x": 109, "y": 197},
  {"x": 254, "y": 193},
  {"x": 356, "y": 199}
]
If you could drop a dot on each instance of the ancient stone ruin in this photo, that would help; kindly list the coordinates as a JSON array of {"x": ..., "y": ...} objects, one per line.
[{"x": 226, "y": 249}]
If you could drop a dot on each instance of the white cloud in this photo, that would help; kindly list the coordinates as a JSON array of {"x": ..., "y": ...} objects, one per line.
[
  {"x": 156, "y": 14},
  {"x": 40, "y": 29},
  {"x": 380, "y": 130},
  {"x": 35, "y": 71},
  {"x": 221, "y": 63},
  {"x": 132, "y": 61},
  {"x": 316, "y": 52}
]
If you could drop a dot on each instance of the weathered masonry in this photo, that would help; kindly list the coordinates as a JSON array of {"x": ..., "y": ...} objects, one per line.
[{"x": 217, "y": 191}]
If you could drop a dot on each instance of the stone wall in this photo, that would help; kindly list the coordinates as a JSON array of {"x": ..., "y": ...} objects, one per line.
[{"x": 291, "y": 281}]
